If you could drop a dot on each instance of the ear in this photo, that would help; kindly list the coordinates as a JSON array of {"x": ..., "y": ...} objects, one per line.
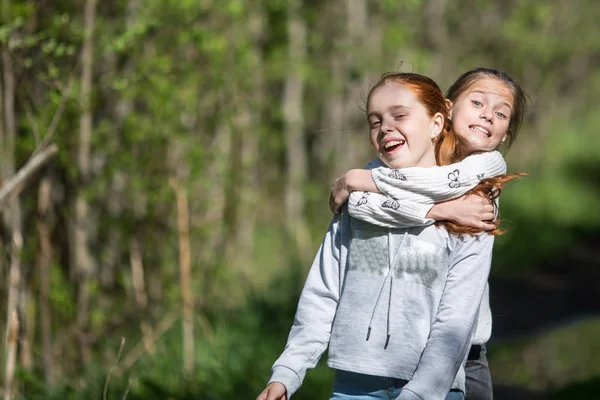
[
  {"x": 504, "y": 138},
  {"x": 437, "y": 125},
  {"x": 449, "y": 105}
]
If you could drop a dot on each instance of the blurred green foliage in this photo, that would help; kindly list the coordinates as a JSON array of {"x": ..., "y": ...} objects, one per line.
[{"x": 182, "y": 87}]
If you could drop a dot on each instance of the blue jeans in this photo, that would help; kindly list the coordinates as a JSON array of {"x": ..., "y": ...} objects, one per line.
[{"x": 353, "y": 386}]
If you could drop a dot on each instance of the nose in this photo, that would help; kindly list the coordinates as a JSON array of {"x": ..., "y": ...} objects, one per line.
[
  {"x": 386, "y": 127},
  {"x": 486, "y": 114}
]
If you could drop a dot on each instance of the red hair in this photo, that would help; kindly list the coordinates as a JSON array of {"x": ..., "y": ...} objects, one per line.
[{"x": 426, "y": 90}]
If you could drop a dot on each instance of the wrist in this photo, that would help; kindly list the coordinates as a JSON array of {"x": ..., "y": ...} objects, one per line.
[
  {"x": 439, "y": 212},
  {"x": 350, "y": 180},
  {"x": 360, "y": 179}
]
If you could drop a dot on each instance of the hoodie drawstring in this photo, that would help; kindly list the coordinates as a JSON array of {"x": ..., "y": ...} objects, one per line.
[{"x": 389, "y": 275}]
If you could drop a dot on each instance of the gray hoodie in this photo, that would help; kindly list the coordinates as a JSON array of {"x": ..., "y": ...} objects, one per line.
[
  {"x": 408, "y": 194},
  {"x": 400, "y": 303}
]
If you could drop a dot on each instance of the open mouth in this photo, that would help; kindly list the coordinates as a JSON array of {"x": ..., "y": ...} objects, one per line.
[
  {"x": 480, "y": 131},
  {"x": 393, "y": 145}
]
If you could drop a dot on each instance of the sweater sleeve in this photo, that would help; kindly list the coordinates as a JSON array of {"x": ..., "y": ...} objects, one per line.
[
  {"x": 455, "y": 321},
  {"x": 379, "y": 209},
  {"x": 408, "y": 194},
  {"x": 309, "y": 335},
  {"x": 437, "y": 184}
]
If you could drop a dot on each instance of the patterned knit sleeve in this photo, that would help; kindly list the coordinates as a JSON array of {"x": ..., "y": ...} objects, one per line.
[
  {"x": 441, "y": 183},
  {"x": 382, "y": 210},
  {"x": 408, "y": 194}
]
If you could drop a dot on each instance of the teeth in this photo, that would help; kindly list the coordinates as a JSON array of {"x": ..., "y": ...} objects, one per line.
[
  {"x": 480, "y": 129},
  {"x": 393, "y": 143}
]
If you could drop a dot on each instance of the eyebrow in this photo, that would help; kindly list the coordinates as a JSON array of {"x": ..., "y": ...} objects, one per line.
[
  {"x": 390, "y": 108},
  {"x": 482, "y": 92}
]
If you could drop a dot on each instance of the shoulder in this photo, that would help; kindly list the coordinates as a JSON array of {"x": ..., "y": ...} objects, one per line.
[
  {"x": 484, "y": 158},
  {"x": 376, "y": 163}
]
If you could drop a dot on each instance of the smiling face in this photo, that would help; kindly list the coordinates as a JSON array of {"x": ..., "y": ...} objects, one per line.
[
  {"x": 481, "y": 115},
  {"x": 401, "y": 129}
]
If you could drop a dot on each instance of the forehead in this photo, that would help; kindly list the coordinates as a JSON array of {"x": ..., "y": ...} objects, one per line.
[
  {"x": 494, "y": 87},
  {"x": 392, "y": 94}
]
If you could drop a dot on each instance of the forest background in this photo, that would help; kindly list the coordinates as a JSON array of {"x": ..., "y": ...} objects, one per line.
[{"x": 160, "y": 252}]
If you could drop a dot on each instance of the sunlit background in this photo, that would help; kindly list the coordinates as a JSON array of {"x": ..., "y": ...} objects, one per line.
[{"x": 161, "y": 252}]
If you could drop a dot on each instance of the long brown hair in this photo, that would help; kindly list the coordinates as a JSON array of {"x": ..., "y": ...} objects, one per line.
[{"x": 520, "y": 98}]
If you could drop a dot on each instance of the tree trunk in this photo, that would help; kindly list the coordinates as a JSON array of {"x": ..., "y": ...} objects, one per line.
[
  {"x": 343, "y": 141},
  {"x": 293, "y": 96},
  {"x": 43, "y": 260},
  {"x": 139, "y": 286},
  {"x": 12, "y": 336},
  {"x": 185, "y": 278},
  {"x": 27, "y": 311},
  {"x": 3, "y": 245},
  {"x": 216, "y": 197},
  {"x": 354, "y": 146},
  {"x": 442, "y": 47},
  {"x": 12, "y": 218},
  {"x": 248, "y": 120},
  {"x": 331, "y": 134},
  {"x": 80, "y": 228}
]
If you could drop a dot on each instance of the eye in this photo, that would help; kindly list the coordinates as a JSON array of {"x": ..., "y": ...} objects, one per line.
[
  {"x": 375, "y": 124},
  {"x": 399, "y": 116},
  {"x": 501, "y": 115},
  {"x": 476, "y": 103}
]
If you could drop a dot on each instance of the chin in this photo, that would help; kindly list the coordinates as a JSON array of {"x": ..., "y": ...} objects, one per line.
[{"x": 397, "y": 164}]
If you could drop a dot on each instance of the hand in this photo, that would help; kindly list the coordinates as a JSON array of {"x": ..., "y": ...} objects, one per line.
[
  {"x": 355, "y": 179},
  {"x": 339, "y": 194},
  {"x": 274, "y": 391},
  {"x": 474, "y": 211}
]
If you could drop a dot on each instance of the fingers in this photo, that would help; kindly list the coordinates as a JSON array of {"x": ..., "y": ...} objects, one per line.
[
  {"x": 276, "y": 395},
  {"x": 332, "y": 205},
  {"x": 487, "y": 226},
  {"x": 487, "y": 216},
  {"x": 488, "y": 200},
  {"x": 274, "y": 391},
  {"x": 482, "y": 199},
  {"x": 487, "y": 209},
  {"x": 477, "y": 201}
]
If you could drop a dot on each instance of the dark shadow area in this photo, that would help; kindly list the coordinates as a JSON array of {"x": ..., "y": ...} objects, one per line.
[
  {"x": 514, "y": 393},
  {"x": 553, "y": 293},
  {"x": 587, "y": 390},
  {"x": 546, "y": 274}
]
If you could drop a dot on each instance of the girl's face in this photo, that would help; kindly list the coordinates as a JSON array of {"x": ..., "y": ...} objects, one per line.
[
  {"x": 401, "y": 129},
  {"x": 480, "y": 116}
]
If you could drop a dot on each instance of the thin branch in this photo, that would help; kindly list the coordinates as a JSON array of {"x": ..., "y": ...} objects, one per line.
[
  {"x": 112, "y": 367},
  {"x": 33, "y": 123},
  {"x": 58, "y": 114},
  {"x": 126, "y": 392},
  {"x": 16, "y": 183},
  {"x": 140, "y": 348}
]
